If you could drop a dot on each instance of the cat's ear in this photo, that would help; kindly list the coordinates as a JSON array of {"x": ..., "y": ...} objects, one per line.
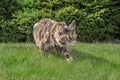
[{"x": 72, "y": 24}]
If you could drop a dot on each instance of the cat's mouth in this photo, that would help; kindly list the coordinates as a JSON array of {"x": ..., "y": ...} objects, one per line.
[{"x": 73, "y": 42}]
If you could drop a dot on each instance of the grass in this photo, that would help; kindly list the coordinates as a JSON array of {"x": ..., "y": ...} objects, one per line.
[{"x": 23, "y": 61}]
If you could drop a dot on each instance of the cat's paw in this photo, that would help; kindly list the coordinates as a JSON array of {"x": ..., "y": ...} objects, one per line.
[{"x": 70, "y": 59}]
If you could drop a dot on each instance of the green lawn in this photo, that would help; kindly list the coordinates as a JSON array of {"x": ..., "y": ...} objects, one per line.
[{"x": 23, "y": 61}]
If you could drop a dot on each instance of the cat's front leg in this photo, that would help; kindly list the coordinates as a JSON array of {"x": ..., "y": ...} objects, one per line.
[{"x": 66, "y": 52}]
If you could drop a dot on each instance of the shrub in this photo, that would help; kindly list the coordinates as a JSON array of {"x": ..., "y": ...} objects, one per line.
[{"x": 96, "y": 20}]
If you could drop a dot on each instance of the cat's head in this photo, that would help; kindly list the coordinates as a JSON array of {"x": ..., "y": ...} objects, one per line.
[{"x": 68, "y": 33}]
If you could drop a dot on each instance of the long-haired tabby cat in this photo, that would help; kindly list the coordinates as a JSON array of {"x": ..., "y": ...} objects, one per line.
[{"x": 50, "y": 34}]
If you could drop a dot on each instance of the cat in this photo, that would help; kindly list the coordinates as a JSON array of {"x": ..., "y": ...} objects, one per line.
[{"x": 50, "y": 34}]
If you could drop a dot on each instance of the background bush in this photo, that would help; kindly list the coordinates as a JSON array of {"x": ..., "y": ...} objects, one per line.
[{"x": 97, "y": 20}]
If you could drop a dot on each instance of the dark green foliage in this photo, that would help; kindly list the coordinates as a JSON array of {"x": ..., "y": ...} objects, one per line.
[
  {"x": 7, "y": 7},
  {"x": 96, "y": 20}
]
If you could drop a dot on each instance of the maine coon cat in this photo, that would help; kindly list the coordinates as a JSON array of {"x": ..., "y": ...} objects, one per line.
[{"x": 50, "y": 34}]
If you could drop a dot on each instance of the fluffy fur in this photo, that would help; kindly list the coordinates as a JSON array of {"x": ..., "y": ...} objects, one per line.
[{"x": 49, "y": 34}]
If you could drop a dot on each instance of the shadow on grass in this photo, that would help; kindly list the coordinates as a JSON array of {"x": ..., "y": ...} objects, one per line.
[
  {"x": 79, "y": 56},
  {"x": 57, "y": 54}
]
